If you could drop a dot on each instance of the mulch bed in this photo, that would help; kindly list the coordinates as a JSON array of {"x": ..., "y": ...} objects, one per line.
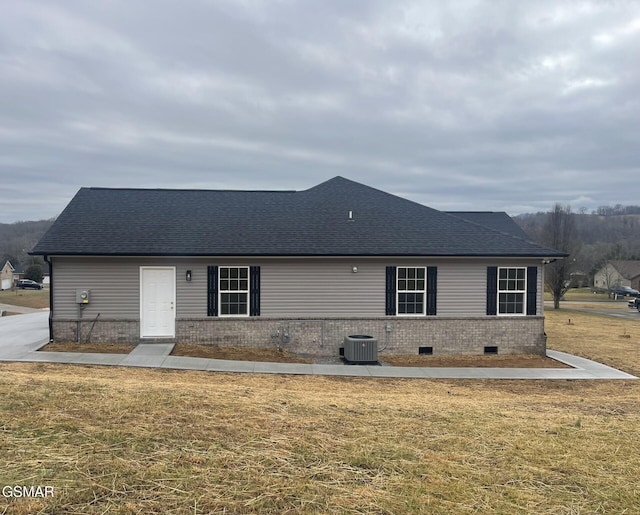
[
  {"x": 473, "y": 361},
  {"x": 236, "y": 353},
  {"x": 101, "y": 348}
]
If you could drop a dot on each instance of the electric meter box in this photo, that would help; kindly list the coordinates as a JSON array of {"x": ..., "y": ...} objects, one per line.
[{"x": 83, "y": 296}]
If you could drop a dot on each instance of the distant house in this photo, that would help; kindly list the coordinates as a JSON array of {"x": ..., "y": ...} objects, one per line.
[
  {"x": 296, "y": 269},
  {"x": 618, "y": 273},
  {"x": 18, "y": 273},
  {"x": 6, "y": 276}
]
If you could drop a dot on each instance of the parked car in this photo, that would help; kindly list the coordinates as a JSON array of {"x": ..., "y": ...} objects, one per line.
[
  {"x": 624, "y": 291},
  {"x": 28, "y": 284}
]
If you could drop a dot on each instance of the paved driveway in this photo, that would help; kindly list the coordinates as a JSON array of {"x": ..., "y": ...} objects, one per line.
[
  {"x": 18, "y": 309},
  {"x": 21, "y": 334}
]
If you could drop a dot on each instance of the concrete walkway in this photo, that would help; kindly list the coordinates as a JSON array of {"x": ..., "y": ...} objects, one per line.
[
  {"x": 156, "y": 355},
  {"x": 21, "y": 336}
]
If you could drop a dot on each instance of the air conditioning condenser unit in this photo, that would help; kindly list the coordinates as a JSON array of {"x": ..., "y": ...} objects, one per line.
[{"x": 360, "y": 349}]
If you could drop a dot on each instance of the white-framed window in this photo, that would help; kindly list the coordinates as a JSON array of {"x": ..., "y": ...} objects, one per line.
[
  {"x": 512, "y": 291},
  {"x": 411, "y": 290},
  {"x": 233, "y": 291}
]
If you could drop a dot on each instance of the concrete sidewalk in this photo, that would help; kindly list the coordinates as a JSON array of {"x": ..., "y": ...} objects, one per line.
[
  {"x": 156, "y": 355},
  {"x": 22, "y": 335}
]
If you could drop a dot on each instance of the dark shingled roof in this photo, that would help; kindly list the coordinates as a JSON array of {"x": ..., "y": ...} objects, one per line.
[
  {"x": 497, "y": 220},
  {"x": 315, "y": 222},
  {"x": 627, "y": 269}
]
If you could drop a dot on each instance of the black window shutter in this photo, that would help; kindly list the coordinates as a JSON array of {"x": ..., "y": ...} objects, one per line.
[
  {"x": 432, "y": 289},
  {"x": 212, "y": 291},
  {"x": 390, "y": 298},
  {"x": 492, "y": 290},
  {"x": 254, "y": 291},
  {"x": 532, "y": 290}
]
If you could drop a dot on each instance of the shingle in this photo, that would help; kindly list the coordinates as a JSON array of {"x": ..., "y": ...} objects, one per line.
[
  {"x": 101, "y": 221},
  {"x": 497, "y": 220},
  {"x": 628, "y": 269}
]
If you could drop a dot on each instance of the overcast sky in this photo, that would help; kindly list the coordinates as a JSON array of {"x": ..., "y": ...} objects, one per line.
[{"x": 460, "y": 105}]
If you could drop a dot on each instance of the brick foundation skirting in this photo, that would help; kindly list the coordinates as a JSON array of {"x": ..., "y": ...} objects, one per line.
[{"x": 445, "y": 336}]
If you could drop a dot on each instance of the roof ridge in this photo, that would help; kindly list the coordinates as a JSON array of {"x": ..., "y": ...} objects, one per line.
[
  {"x": 478, "y": 211},
  {"x": 339, "y": 179},
  {"x": 185, "y": 189}
]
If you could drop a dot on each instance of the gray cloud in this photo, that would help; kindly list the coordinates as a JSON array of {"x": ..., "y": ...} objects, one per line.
[{"x": 459, "y": 105}]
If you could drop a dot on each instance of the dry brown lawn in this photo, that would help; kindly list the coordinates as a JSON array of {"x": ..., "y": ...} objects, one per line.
[
  {"x": 37, "y": 299},
  {"x": 585, "y": 294},
  {"x": 610, "y": 340},
  {"x": 118, "y": 440}
]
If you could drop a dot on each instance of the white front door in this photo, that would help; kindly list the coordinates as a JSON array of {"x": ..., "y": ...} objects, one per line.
[{"x": 157, "y": 302}]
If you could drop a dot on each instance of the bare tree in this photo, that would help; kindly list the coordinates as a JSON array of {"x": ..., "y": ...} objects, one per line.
[{"x": 559, "y": 233}]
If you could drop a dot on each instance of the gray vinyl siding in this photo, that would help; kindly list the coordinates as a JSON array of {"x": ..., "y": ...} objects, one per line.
[
  {"x": 319, "y": 288},
  {"x": 114, "y": 285},
  {"x": 462, "y": 289},
  {"x": 462, "y": 286},
  {"x": 293, "y": 288}
]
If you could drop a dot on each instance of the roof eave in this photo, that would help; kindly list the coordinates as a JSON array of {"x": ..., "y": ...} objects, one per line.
[{"x": 289, "y": 254}]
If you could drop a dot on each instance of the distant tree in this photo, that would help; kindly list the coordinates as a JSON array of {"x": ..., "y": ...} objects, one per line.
[
  {"x": 589, "y": 258},
  {"x": 601, "y": 238},
  {"x": 34, "y": 272},
  {"x": 17, "y": 239},
  {"x": 559, "y": 233}
]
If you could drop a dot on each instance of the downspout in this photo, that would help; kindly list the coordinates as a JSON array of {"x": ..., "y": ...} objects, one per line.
[{"x": 46, "y": 258}]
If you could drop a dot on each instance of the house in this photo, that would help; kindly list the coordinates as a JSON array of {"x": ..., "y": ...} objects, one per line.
[
  {"x": 618, "y": 273},
  {"x": 18, "y": 273},
  {"x": 294, "y": 269},
  {"x": 6, "y": 276},
  {"x": 10, "y": 274}
]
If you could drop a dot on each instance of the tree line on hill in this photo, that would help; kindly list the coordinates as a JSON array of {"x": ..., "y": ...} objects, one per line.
[
  {"x": 17, "y": 240},
  {"x": 591, "y": 239}
]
